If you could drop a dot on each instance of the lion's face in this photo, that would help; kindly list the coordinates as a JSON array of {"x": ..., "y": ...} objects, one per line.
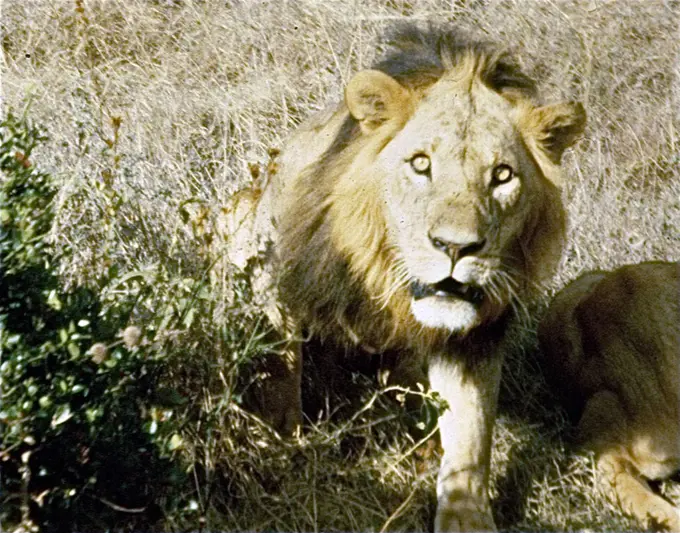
[
  {"x": 458, "y": 186},
  {"x": 461, "y": 190}
]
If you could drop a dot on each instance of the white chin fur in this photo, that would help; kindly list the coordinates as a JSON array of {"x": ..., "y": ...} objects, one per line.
[{"x": 457, "y": 316}]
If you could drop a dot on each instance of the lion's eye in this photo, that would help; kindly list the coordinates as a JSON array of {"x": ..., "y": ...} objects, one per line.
[
  {"x": 502, "y": 174},
  {"x": 421, "y": 164}
]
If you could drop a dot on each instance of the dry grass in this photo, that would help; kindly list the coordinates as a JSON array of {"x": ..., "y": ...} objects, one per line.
[{"x": 168, "y": 104}]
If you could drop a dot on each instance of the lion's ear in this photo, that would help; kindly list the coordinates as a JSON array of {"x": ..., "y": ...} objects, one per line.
[
  {"x": 558, "y": 126},
  {"x": 374, "y": 98}
]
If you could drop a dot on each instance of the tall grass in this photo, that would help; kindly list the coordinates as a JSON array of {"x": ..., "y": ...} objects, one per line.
[{"x": 158, "y": 110}]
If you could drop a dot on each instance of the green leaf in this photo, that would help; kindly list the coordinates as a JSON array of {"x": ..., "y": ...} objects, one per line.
[
  {"x": 62, "y": 414},
  {"x": 189, "y": 317},
  {"x": 73, "y": 350},
  {"x": 54, "y": 302},
  {"x": 45, "y": 402},
  {"x": 13, "y": 339},
  {"x": 168, "y": 397},
  {"x": 175, "y": 442}
]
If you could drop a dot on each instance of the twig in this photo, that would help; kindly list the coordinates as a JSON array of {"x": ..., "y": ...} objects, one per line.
[
  {"x": 397, "y": 513},
  {"x": 115, "y": 507},
  {"x": 416, "y": 445}
]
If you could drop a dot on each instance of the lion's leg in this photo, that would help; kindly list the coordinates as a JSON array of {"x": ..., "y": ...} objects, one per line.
[
  {"x": 292, "y": 416},
  {"x": 603, "y": 429},
  {"x": 281, "y": 401},
  {"x": 466, "y": 427},
  {"x": 409, "y": 373},
  {"x": 635, "y": 496}
]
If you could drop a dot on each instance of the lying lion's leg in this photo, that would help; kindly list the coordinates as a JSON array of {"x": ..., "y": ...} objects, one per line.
[
  {"x": 466, "y": 427},
  {"x": 603, "y": 429},
  {"x": 635, "y": 496}
]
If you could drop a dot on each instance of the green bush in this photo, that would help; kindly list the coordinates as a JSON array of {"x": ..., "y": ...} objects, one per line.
[{"x": 84, "y": 433}]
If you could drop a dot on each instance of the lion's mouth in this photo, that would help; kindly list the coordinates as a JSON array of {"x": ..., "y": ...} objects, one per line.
[{"x": 447, "y": 288}]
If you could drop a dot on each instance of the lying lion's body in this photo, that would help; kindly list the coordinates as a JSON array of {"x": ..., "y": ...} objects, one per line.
[
  {"x": 611, "y": 344},
  {"x": 413, "y": 217}
]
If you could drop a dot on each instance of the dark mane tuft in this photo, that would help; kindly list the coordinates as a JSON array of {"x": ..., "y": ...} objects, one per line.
[{"x": 417, "y": 57}]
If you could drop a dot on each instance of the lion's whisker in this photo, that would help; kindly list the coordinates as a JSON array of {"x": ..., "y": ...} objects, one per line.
[
  {"x": 400, "y": 279},
  {"x": 493, "y": 290},
  {"x": 519, "y": 307}
]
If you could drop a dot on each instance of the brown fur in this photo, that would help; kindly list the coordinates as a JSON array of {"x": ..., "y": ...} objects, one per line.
[
  {"x": 611, "y": 345},
  {"x": 338, "y": 293},
  {"x": 334, "y": 263}
]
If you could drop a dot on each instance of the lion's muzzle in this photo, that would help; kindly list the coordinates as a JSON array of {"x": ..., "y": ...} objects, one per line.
[{"x": 447, "y": 288}]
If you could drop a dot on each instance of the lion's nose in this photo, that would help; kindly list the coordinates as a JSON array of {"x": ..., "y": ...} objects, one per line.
[{"x": 456, "y": 245}]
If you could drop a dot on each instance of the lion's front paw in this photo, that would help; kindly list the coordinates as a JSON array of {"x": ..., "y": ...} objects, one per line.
[
  {"x": 282, "y": 409},
  {"x": 664, "y": 517},
  {"x": 464, "y": 516},
  {"x": 292, "y": 422},
  {"x": 277, "y": 397}
]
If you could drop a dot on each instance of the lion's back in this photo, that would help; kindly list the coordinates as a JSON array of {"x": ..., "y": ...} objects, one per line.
[
  {"x": 304, "y": 148},
  {"x": 250, "y": 219},
  {"x": 642, "y": 299},
  {"x": 616, "y": 331}
]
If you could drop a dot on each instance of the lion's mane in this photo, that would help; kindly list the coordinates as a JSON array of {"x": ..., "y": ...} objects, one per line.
[{"x": 337, "y": 263}]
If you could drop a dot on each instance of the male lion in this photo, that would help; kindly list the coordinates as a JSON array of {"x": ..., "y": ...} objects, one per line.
[
  {"x": 611, "y": 345},
  {"x": 411, "y": 218}
]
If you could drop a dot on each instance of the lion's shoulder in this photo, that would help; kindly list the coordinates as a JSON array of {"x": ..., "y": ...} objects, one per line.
[
  {"x": 640, "y": 297},
  {"x": 306, "y": 147},
  {"x": 248, "y": 219},
  {"x": 616, "y": 330}
]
